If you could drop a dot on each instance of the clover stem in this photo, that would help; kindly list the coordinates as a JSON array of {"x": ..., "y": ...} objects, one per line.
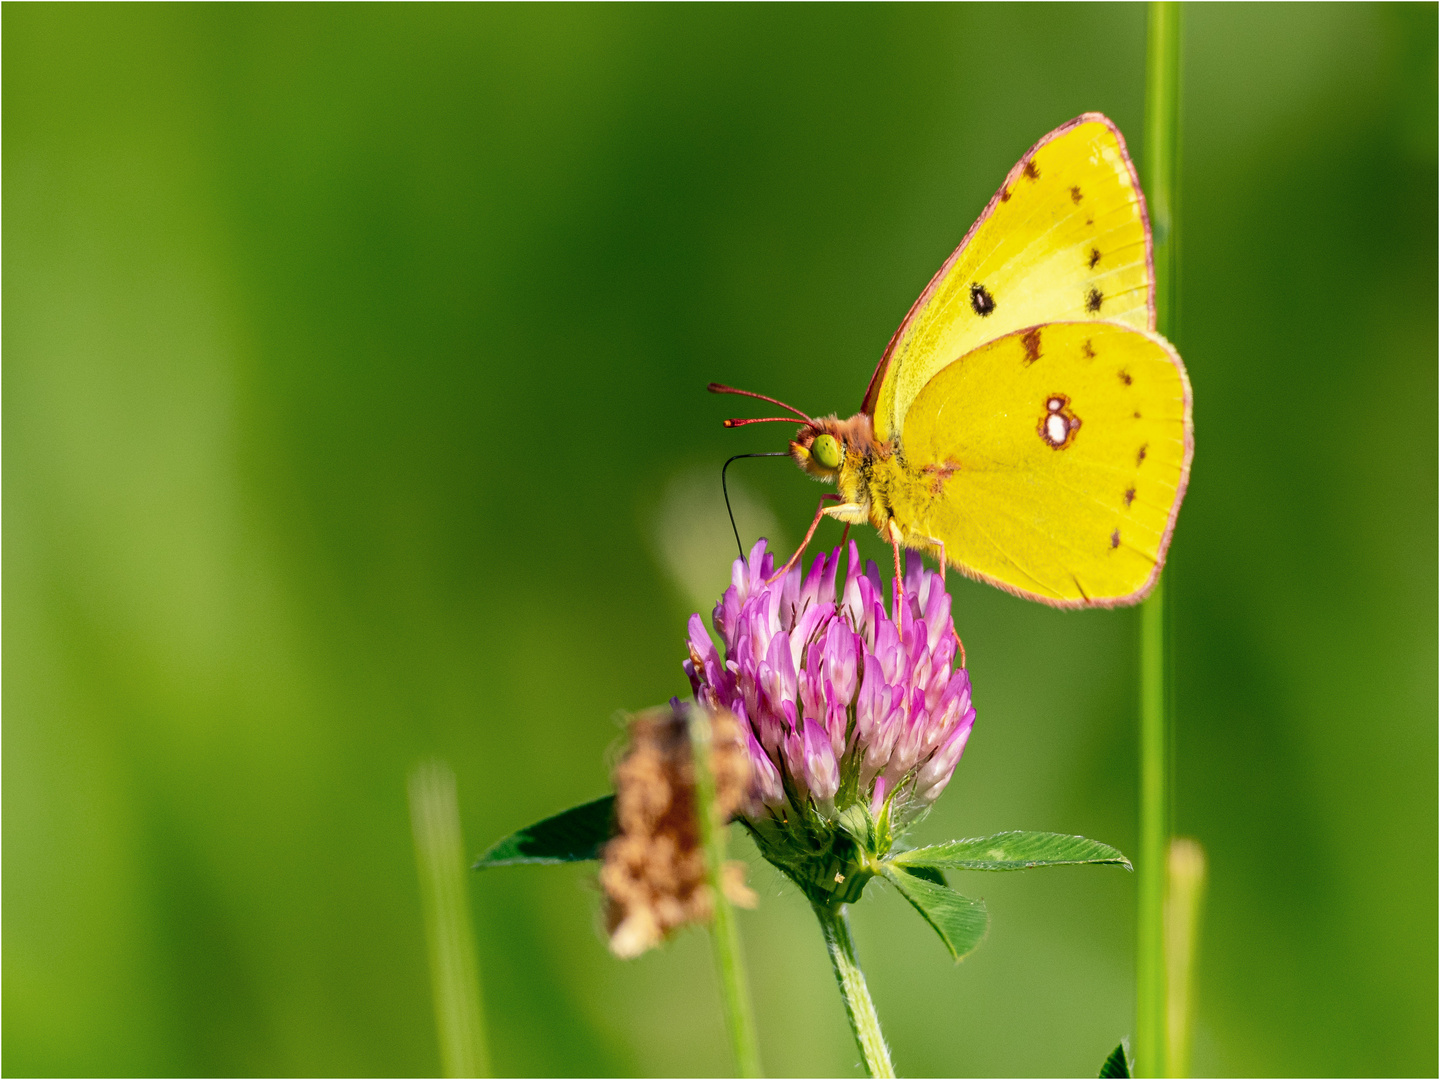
[
  {"x": 1162, "y": 128},
  {"x": 864, "y": 1022},
  {"x": 724, "y": 935}
]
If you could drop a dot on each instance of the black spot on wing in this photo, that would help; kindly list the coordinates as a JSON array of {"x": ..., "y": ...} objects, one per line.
[
  {"x": 981, "y": 302},
  {"x": 1031, "y": 172},
  {"x": 1093, "y": 299},
  {"x": 1094, "y": 257},
  {"x": 1114, "y": 539},
  {"x": 1129, "y": 496},
  {"x": 1125, "y": 377},
  {"x": 1088, "y": 350},
  {"x": 1140, "y": 456},
  {"x": 1075, "y": 195}
]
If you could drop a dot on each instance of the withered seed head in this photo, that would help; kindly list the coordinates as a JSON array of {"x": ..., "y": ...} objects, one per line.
[{"x": 654, "y": 869}]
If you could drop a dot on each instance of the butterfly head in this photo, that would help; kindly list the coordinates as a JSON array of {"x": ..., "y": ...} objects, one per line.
[
  {"x": 822, "y": 446},
  {"x": 819, "y": 449}
]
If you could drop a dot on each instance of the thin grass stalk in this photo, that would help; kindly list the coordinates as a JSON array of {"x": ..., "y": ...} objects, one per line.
[
  {"x": 724, "y": 934},
  {"x": 860, "y": 1010},
  {"x": 454, "y": 970},
  {"x": 1162, "y": 123},
  {"x": 1184, "y": 899},
  {"x": 1154, "y": 830}
]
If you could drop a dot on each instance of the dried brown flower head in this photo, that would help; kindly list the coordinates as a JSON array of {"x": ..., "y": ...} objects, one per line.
[{"x": 654, "y": 869}]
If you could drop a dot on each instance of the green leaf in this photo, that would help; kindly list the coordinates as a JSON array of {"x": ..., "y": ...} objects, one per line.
[
  {"x": 1118, "y": 1063},
  {"x": 960, "y": 921},
  {"x": 574, "y": 836},
  {"x": 1013, "y": 851},
  {"x": 928, "y": 873}
]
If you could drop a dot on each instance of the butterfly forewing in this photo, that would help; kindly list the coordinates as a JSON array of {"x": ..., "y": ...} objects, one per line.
[
  {"x": 1065, "y": 237},
  {"x": 1053, "y": 460}
]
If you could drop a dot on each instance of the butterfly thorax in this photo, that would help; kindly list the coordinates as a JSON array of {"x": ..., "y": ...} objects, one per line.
[{"x": 876, "y": 484}]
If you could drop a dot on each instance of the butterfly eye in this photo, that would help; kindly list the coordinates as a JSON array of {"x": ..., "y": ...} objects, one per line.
[{"x": 826, "y": 452}]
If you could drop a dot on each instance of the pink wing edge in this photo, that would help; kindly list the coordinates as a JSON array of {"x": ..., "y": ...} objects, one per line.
[
  {"x": 1141, "y": 593},
  {"x": 872, "y": 392}
]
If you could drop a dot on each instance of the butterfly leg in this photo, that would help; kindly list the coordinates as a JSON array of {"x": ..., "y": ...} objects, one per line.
[
  {"x": 841, "y": 511},
  {"x": 892, "y": 533},
  {"x": 810, "y": 533},
  {"x": 943, "y": 565}
]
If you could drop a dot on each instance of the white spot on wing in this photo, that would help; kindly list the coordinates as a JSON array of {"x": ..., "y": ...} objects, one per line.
[{"x": 1056, "y": 428}]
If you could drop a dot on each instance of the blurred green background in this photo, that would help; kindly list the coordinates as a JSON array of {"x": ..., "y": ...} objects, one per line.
[{"x": 354, "y": 413}]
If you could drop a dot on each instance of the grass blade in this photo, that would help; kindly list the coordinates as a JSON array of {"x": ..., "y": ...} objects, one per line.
[
  {"x": 1162, "y": 128},
  {"x": 454, "y": 971},
  {"x": 724, "y": 935}
]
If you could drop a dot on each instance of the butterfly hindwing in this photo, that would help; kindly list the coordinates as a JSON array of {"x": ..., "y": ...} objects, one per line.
[
  {"x": 1052, "y": 461},
  {"x": 1066, "y": 237}
]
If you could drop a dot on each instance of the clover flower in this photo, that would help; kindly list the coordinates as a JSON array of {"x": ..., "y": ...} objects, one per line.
[
  {"x": 841, "y": 704},
  {"x": 826, "y": 726}
]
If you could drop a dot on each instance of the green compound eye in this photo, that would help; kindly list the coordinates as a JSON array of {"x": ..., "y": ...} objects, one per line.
[{"x": 826, "y": 451}]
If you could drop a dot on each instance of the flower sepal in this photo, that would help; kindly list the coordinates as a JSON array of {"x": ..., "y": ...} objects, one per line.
[
  {"x": 871, "y": 835},
  {"x": 832, "y": 860},
  {"x": 820, "y": 855}
]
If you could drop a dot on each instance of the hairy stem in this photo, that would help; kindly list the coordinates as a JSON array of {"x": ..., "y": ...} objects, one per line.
[
  {"x": 858, "y": 1006},
  {"x": 1162, "y": 125},
  {"x": 724, "y": 934}
]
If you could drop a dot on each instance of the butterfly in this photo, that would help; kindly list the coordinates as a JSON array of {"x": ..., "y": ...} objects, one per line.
[{"x": 1026, "y": 424}]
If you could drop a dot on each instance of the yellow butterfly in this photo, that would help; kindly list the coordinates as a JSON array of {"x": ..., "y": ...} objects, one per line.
[{"x": 1026, "y": 424}]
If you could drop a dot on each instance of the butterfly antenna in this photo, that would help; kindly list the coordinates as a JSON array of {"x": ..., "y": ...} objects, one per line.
[
  {"x": 737, "y": 457},
  {"x": 741, "y": 422},
  {"x": 721, "y": 388}
]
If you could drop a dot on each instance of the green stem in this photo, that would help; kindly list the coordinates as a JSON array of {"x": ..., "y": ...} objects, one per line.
[
  {"x": 1162, "y": 123},
  {"x": 1162, "y": 150},
  {"x": 858, "y": 1006},
  {"x": 1184, "y": 895},
  {"x": 1154, "y": 830},
  {"x": 454, "y": 972},
  {"x": 724, "y": 934}
]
